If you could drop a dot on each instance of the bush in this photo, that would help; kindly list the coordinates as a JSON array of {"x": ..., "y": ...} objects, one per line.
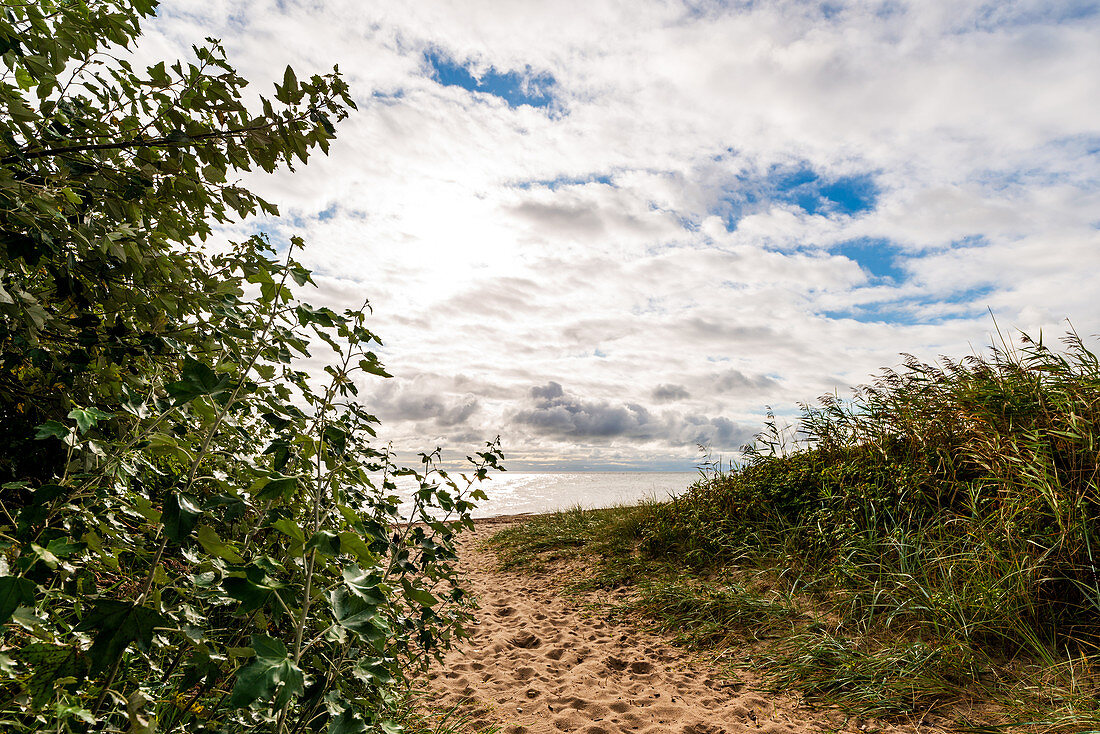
[{"x": 196, "y": 533}]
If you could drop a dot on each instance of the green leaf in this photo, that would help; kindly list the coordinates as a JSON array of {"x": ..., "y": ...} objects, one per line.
[
  {"x": 353, "y": 543},
  {"x": 256, "y": 587},
  {"x": 23, "y": 79},
  {"x": 289, "y": 80},
  {"x": 181, "y": 512},
  {"x": 290, "y": 529},
  {"x": 14, "y": 593},
  {"x": 272, "y": 673},
  {"x": 367, "y": 586},
  {"x": 420, "y": 596},
  {"x": 45, "y": 555},
  {"x": 49, "y": 663},
  {"x": 352, "y": 613},
  {"x": 117, "y": 624},
  {"x": 197, "y": 379},
  {"x": 275, "y": 486},
  {"x": 162, "y": 443},
  {"x": 373, "y": 670},
  {"x": 87, "y": 417},
  {"x": 63, "y": 547},
  {"x": 327, "y": 543},
  {"x": 19, "y": 111},
  {"x": 373, "y": 367},
  {"x": 210, "y": 541},
  {"x": 288, "y": 92},
  {"x": 251, "y": 595},
  {"x": 348, "y": 721},
  {"x": 268, "y": 647},
  {"x": 53, "y": 429}
]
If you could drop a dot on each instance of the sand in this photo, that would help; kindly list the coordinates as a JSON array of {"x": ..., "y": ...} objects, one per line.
[{"x": 540, "y": 662}]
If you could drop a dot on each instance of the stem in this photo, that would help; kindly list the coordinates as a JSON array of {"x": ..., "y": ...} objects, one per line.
[
  {"x": 321, "y": 486},
  {"x": 142, "y": 142},
  {"x": 148, "y": 585},
  {"x": 187, "y": 709},
  {"x": 306, "y": 716},
  {"x": 106, "y": 686},
  {"x": 305, "y": 605}
]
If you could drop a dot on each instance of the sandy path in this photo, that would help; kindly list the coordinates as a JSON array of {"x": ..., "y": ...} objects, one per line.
[{"x": 541, "y": 663}]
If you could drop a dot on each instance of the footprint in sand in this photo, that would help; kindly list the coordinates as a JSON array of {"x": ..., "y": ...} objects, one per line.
[
  {"x": 556, "y": 653},
  {"x": 525, "y": 673},
  {"x": 526, "y": 640},
  {"x": 545, "y": 665},
  {"x": 615, "y": 664}
]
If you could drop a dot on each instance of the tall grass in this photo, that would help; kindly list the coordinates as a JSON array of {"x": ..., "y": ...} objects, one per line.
[
  {"x": 926, "y": 545},
  {"x": 959, "y": 497}
]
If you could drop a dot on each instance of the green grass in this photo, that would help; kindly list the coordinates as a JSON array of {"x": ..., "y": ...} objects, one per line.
[
  {"x": 569, "y": 534},
  {"x": 929, "y": 542},
  {"x": 418, "y": 712},
  {"x": 879, "y": 679},
  {"x": 705, "y": 614}
]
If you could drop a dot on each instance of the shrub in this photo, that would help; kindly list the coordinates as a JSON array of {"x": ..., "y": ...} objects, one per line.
[{"x": 196, "y": 533}]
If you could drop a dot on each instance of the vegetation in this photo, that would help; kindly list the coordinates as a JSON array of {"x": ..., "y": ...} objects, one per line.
[
  {"x": 196, "y": 533},
  {"x": 930, "y": 541}
]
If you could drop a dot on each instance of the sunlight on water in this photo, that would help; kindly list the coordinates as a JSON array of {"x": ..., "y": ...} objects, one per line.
[{"x": 512, "y": 494}]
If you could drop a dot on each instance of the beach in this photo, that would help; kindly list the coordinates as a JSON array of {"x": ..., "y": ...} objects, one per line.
[{"x": 542, "y": 662}]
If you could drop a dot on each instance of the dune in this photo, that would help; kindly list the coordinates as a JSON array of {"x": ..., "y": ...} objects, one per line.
[{"x": 540, "y": 662}]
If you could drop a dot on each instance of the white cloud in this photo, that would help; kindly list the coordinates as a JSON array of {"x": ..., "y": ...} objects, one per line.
[{"x": 634, "y": 242}]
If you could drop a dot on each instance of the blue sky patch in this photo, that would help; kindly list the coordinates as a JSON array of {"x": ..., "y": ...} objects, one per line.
[
  {"x": 818, "y": 195},
  {"x": 876, "y": 256},
  {"x": 996, "y": 15},
  {"x": 910, "y": 312},
  {"x": 562, "y": 181},
  {"x": 517, "y": 88},
  {"x": 799, "y": 186}
]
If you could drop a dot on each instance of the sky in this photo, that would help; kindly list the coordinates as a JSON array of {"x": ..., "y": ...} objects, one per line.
[{"x": 613, "y": 232}]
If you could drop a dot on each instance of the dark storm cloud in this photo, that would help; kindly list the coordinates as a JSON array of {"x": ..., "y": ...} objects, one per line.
[
  {"x": 554, "y": 412},
  {"x": 698, "y": 430},
  {"x": 669, "y": 393}
]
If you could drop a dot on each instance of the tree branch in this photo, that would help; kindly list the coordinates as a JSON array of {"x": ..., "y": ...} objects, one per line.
[{"x": 136, "y": 143}]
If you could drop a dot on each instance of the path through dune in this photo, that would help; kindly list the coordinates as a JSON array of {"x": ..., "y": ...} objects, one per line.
[{"x": 540, "y": 662}]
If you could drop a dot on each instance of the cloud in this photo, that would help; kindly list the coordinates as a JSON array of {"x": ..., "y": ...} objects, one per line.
[
  {"x": 681, "y": 211},
  {"x": 669, "y": 393},
  {"x": 423, "y": 400},
  {"x": 733, "y": 380},
  {"x": 554, "y": 412}
]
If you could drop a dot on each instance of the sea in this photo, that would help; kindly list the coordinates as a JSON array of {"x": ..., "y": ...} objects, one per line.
[{"x": 515, "y": 493}]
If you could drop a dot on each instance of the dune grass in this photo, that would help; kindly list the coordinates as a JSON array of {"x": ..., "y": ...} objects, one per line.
[{"x": 931, "y": 541}]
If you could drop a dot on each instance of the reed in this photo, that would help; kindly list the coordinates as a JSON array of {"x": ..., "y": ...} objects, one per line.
[
  {"x": 929, "y": 541},
  {"x": 960, "y": 497}
]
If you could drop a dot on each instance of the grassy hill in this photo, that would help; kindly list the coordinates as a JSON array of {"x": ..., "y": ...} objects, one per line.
[{"x": 924, "y": 548}]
